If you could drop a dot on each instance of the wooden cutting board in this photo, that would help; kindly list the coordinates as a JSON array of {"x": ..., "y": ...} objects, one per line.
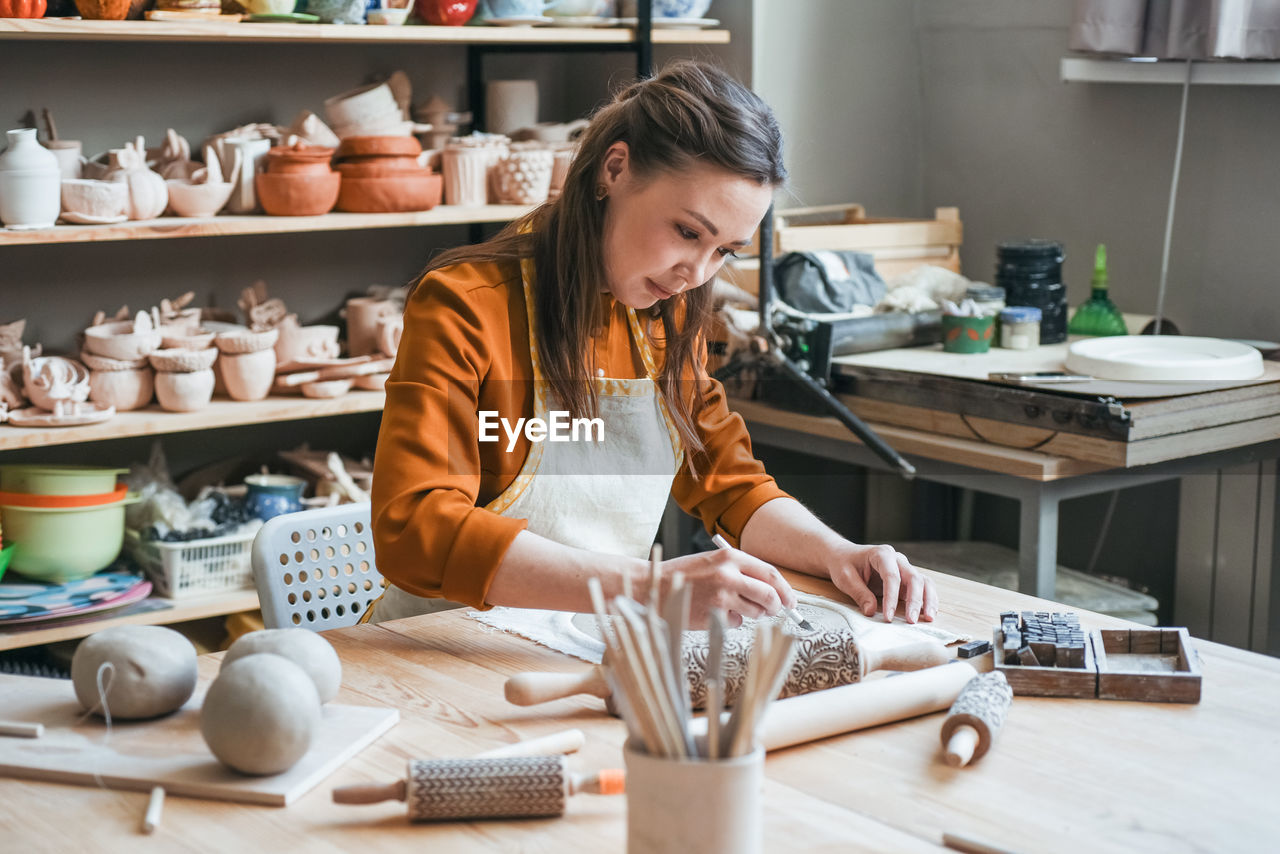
[{"x": 167, "y": 752}]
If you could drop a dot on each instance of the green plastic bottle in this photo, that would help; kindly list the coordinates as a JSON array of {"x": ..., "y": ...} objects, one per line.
[{"x": 1098, "y": 315}]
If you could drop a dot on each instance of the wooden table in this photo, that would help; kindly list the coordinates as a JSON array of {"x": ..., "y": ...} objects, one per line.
[{"x": 1064, "y": 775}]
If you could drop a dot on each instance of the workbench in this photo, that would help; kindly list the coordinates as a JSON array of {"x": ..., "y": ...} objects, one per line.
[{"x": 1065, "y": 775}]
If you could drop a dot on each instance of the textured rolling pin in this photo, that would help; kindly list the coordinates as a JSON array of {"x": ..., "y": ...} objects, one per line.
[
  {"x": 824, "y": 659},
  {"x": 511, "y": 787},
  {"x": 975, "y": 719}
]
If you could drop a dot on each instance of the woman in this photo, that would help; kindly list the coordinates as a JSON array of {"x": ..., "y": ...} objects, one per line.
[{"x": 594, "y": 306}]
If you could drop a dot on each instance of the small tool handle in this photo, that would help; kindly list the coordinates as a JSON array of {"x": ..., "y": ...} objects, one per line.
[
  {"x": 960, "y": 747},
  {"x": 565, "y": 741},
  {"x": 529, "y": 689},
  {"x": 911, "y": 656},
  {"x": 371, "y": 793}
]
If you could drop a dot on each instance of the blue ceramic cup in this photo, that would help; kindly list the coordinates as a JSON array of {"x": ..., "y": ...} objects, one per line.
[{"x": 273, "y": 494}]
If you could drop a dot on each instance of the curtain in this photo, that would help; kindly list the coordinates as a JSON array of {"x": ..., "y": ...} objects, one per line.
[{"x": 1178, "y": 29}]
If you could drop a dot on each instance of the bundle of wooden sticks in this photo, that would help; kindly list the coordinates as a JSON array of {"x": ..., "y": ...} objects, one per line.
[{"x": 645, "y": 670}]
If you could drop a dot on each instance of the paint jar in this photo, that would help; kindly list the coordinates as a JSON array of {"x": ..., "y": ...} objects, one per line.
[
  {"x": 989, "y": 298},
  {"x": 1030, "y": 271},
  {"x": 1020, "y": 328},
  {"x": 708, "y": 806}
]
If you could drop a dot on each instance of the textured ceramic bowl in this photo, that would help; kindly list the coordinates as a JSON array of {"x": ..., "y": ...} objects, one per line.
[
  {"x": 239, "y": 343},
  {"x": 117, "y": 340},
  {"x": 297, "y": 195},
  {"x": 125, "y": 390},
  {"x": 184, "y": 339},
  {"x": 183, "y": 361},
  {"x": 97, "y": 199},
  {"x": 102, "y": 363}
]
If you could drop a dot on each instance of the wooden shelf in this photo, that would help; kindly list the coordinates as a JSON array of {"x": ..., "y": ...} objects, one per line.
[
  {"x": 1079, "y": 69},
  {"x": 222, "y": 412},
  {"x": 223, "y": 226},
  {"x": 74, "y": 29},
  {"x": 196, "y": 608}
]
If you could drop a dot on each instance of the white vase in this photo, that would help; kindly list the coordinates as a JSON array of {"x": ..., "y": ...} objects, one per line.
[{"x": 30, "y": 182}]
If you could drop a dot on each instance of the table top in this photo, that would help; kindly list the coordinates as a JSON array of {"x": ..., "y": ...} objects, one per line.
[{"x": 1063, "y": 775}]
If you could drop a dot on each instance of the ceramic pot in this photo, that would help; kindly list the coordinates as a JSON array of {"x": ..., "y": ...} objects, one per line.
[
  {"x": 125, "y": 390},
  {"x": 354, "y": 147},
  {"x": 244, "y": 341},
  {"x": 337, "y": 11},
  {"x": 444, "y": 13},
  {"x": 363, "y": 315},
  {"x": 381, "y": 167},
  {"x": 298, "y": 195},
  {"x": 183, "y": 361},
  {"x": 306, "y": 343},
  {"x": 69, "y": 152},
  {"x": 103, "y": 10},
  {"x": 271, "y": 495},
  {"x": 466, "y": 176},
  {"x": 148, "y": 195},
  {"x": 299, "y": 160},
  {"x": 248, "y": 376},
  {"x": 30, "y": 182},
  {"x": 418, "y": 191},
  {"x": 84, "y": 200},
  {"x": 22, "y": 8},
  {"x": 510, "y": 105},
  {"x": 523, "y": 177},
  {"x": 184, "y": 391},
  {"x": 125, "y": 340}
]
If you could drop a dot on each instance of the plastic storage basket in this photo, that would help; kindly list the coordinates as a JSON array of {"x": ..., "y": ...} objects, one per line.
[{"x": 196, "y": 567}]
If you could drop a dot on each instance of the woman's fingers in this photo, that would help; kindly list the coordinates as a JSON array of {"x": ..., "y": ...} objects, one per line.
[
  {"x": 767, "y": 573},
  {"x": 884, "y": 562}
]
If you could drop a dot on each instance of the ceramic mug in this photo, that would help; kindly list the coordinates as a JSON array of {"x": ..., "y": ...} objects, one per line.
[
  {"x": 273, "y": 495},
  {"x": 69, "y": 154}
]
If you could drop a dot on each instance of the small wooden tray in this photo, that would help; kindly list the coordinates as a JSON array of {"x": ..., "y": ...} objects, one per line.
[
  {"x": 1151, "y": 665},
  {"x": 1034, "y": 681}
]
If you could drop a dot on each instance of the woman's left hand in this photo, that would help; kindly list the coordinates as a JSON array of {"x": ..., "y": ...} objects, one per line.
[{"x": 867, "y": 572}]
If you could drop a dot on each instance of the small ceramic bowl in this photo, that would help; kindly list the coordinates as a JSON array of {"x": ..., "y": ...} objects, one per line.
[
  {"x": 101, "y": 200},
  {"x": 355, "y": 147},
  {"x": 117, "y": 340},
  {"x": 102, "y": 363},
  {"x": 386, "y": 17},
  {"x": 187, "y": 199},
  {"x": 297, "y": 195},
  {"x": 327, "y": 388},
  {"x": 183, "y": 361},
  {"x": 361, "y": 104},
  {"x": 184, "y": 339},
  {"x": 414, "y": 191},
  {"x": 239, "y": 343}
]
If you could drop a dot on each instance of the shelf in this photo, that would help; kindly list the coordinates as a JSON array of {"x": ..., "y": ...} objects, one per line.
[
  {"x": 1079, "y": 69},
  {"x": 222, "y": 226},
  {"x": 74, "y": 29},
  {"x": 182, "y": 610},
  {"x": 222, "y": 412}
]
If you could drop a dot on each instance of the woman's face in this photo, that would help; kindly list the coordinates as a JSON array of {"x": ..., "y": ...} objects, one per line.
[{"x": 673, "y": 231}]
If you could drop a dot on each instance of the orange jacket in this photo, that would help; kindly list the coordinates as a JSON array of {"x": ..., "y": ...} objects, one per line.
[{"x": 465, "y": 348}]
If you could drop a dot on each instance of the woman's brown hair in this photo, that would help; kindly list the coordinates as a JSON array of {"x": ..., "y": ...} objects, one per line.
[{"x": 691, "y": 113}]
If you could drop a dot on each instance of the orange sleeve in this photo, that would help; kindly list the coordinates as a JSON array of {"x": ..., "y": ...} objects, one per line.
[
  {"x": 429, "y": 536},
  {"x": 732, "y": 484}
]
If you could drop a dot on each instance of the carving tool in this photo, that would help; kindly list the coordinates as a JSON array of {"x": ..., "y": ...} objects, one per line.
[
  {"x": 791, "y": 613},
  {"x": 21, "y": 729},
  {"x": 512, "y": 787},
  {"x": 975, "y": 718},
  {"x": 155, "y": 805}
]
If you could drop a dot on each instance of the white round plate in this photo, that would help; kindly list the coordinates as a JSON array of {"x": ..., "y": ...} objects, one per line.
[
  {"x": 86, "y": 219},
  {"x": 519, "y": 21},
  {"x": 1164, "y": 358},
  {"x": 85, "y": 413},
  {"x": 673, "y": 23},
  {"x": 583, "y": 21}
]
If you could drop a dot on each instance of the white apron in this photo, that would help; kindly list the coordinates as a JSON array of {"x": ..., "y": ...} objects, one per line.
[{"x": 604, "y": 496}]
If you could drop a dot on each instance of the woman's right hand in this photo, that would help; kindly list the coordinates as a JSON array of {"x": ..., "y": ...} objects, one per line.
[{"x": 731, "y": 581}]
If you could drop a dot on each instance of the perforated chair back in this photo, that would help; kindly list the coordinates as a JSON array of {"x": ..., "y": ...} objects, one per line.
[{"x": 314, "y": 569}]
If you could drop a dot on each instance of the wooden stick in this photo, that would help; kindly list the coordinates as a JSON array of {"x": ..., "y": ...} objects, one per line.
[
  {"x": 648, "y": 676},
  {"x": 970, "y": 845},
  {"x": 21, "y": 729},
  {"x": 640, "y": 697},
  {"x": 565, "y": 741},
  {"x": 151, "y": 820}
]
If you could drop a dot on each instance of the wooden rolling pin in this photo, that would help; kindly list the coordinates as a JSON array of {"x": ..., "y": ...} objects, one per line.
[
  {"x": 975, "y": 718},
  {"x": 822, "y": 714},
  {"x": 514, "y": 787},
  {"x": 824, "y": 659}
]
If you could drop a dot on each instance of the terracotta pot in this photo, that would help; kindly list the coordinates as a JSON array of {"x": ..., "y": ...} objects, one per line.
[
  {"x": 125, "y": 390},
  {"x": 103, "y": 10},
  {"x": 22, "y": 8},
  {"x": 410, "y": 192},
  {"x": 445, "y": 13},
  {"x": 299, "y": 158},
  {"x": 363, "y": 315},
  {"x": 298, "y": 195},
  {"x": 248, "y": 376},
  {"x": 184, "y": 392},
  {"x": 364, "y": 146},
  {"x": 371, "y": 167}
]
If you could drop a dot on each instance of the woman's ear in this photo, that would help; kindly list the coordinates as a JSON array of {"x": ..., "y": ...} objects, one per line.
[{"x": 615, "y": 167}]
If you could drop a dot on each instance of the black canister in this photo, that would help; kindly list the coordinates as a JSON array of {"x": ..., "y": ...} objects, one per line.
[{"x": 1030, "y": 271}]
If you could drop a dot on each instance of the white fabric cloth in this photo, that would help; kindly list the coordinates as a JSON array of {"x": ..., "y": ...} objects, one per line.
[{"x": 603, "y": 496}]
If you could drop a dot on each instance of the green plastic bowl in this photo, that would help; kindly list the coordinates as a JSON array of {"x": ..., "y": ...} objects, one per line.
[
  {"x": 64, "y": 544},
  {"x": 58, "y": 480}
]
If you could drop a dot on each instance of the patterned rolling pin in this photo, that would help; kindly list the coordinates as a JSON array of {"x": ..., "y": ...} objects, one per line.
[
  {"x": 824, "y": 659},
  {"x": 514, "y": 787},
  {"x": 976, "y": 718}
]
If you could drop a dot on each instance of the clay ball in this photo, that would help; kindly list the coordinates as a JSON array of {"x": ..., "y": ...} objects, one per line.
[
  {"x": 153, "y": 671},
  {"x": 303, "y": 647},
  {"x": 260, "y": 714}
]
